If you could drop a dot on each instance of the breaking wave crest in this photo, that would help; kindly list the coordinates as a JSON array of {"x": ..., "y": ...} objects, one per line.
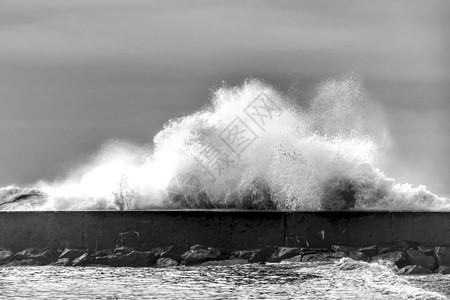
[{"x": 251, "y": 147}]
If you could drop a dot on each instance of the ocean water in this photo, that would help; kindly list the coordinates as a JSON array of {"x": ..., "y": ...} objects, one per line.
[{"x": 346, "y": 279}]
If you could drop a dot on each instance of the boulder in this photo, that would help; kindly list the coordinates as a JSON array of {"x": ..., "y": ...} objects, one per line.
[
  {"x": 397, "y": 257},
  {"x": 226, "y": 262},
  {"x": 297, "y": 258},
  {"x": 165, "y": 262},
  {"x": 201, "y": 253},
  {"x": 39, "y": 256},
  {"x": 174, "y": 252},
  {"x": 131, "y": 259},
  {"x": 129, "y": 238},
  {"x": 442, "y": 255},
  {"x": 443, "y": 270},
  {"x": 368, "y": 250},
  {"x": 330, "y": 256},
  {"x": 71, "y": 254},
  {"x": 314, "y": 250},
  {"x": 108, "y": 260},
  {"x": 427, "y": 250},
  {"x": 105, "y": 252},
  {"x": 255, "y": 255},
  {"x": 396, "y": 246},
  {"x": 24, "y": 262},
  {"x": 413, "y": 269},
  {"x": 122, "y": 249},
  {"x": 62, "y": 262},
  {"x": 282, "y": 253},
  {"x": 418, "y": 258},
  {"x": 359, "y": 256},
  {"x": 138, "y": 259},
  {"x": 82, "y": 260},
  {"x": 6, "y": 256}
]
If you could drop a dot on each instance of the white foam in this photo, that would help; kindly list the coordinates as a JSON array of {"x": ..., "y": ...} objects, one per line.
[{"x": 299, "y": 158}]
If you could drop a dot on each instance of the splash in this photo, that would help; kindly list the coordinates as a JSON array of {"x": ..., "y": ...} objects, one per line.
[{"x": 251, "y": 147}]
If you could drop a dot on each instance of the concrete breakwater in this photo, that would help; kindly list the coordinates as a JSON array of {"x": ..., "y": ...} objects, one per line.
[
  {"x": 226, "y": 229},
  {"x": 412, "y": 242}
]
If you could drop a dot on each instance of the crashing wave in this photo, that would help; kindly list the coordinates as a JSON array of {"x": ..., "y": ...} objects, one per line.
[{"x": 251, "y": 147}]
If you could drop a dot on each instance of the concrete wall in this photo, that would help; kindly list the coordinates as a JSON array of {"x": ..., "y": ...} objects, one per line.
[{"x": 220, "y": 228}]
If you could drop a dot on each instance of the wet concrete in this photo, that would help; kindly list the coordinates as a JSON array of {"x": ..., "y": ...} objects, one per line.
[{"x": 229, "y": 229}]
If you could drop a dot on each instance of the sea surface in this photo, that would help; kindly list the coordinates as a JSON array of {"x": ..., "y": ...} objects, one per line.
[{"x": 345, "y": 279}]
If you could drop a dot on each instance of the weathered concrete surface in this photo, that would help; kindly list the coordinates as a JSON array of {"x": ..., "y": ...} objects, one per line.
[
  {"x": 227, "y": 229},
  {"x": 19, "y": 230},
  {"x": 360, "y": 228}
]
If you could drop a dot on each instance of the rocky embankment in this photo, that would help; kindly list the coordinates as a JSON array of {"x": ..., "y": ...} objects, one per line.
[{"x": 408, "y": 257}]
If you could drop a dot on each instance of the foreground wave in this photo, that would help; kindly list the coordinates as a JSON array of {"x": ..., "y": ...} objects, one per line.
[{"x": 251, "y": 147}]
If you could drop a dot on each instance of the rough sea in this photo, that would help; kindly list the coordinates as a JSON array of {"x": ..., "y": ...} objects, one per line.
[{"x": 345, "y": 279}]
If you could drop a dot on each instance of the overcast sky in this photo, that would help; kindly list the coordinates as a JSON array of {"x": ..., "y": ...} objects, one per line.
[{"x": 74, "y": 74}]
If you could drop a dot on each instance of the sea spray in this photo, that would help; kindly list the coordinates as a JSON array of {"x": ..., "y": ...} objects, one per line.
[{"x": 251, "y": 147}]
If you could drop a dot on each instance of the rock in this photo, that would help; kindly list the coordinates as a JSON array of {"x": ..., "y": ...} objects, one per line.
[
  {"x": 309, "y": 256},
  {"x": 6, "y": 256},
  {"x": 165, "y": 262},
  {"x": 282, "y": 253},
  {"x": 28, "y": 253},
  {"x": 108, "y": 260},
  {"x": 255, "y": 255},
  {"x": 24, "y": 262},
  {"x": 427, "y": 250},
  {"x": 82, "y": 260},
  {"x": 227, "y": 262},
  {"x": 101, "y": 253},
  {"x": 71, "y": 254},
  {"x": 397, "y": 257},
  {"x": 174, "y": 252},
  {"x": 123, "y": 249},
  {"x": 62, "y": 262},
  {"x": 413, "y": 269},
  {"x": 314, "y": 250},
  {"x": 359, "y": 256},
  {"x": 442, "y": 255},
  {"x": 342, "y": 248},
  {"x": 330, "y": 256},
  {"x": 443, "y": 270},
  {"x": 129, "y": 238},
  {"x": 131, "y": 259},
  {"x": 396, "y": 246},
  {"x": 200, "y": 253},
  {"x": 138, "y": 259},
  {"x": 39, "y": 256},
  {"x": 297, "y": 258},
  {"x": 368, "y": 250},
  {"x": 418, "y": 258}
]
